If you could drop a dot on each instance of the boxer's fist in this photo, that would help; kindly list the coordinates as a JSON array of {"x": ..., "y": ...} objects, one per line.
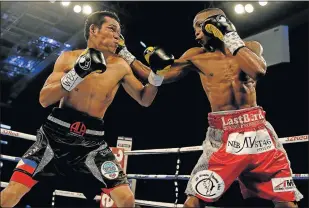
[
  {"x": 121, "y": 44},
  {"x": 217, "y": 26},
  {"x": 89, "y": 61},
  {"x": 222, "y": 28},
  {"x": 157, "y": 58},
  {"x": 123, "y": 52}
]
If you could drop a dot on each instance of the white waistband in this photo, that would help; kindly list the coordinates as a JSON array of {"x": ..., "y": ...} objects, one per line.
[
  {"x": 67, "y": 125},
  {"x": 234, "y": 111}
]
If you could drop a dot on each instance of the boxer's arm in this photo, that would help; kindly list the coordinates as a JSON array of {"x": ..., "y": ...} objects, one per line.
[
  {"x": 251, "y": 61},
  {"x": 52, "y": 90},
  {"x": 144, "y": 95},
  {"x": 140, "y": 69},
  {"x": 177, "y": 70},
  {"x": 181, "y": 66}
]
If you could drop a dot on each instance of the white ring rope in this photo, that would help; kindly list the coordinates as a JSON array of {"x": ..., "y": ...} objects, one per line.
[
  {"x": 299, "y": 176},
  {"x": 284, "y": 140},
  {"x": 82, "y": 196}
]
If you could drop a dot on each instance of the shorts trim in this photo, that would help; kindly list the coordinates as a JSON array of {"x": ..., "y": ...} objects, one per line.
[{"x": 23, "y": 178}]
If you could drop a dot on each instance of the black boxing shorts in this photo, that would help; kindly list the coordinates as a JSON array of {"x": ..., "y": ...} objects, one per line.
[{"x": 70, "y": 144}]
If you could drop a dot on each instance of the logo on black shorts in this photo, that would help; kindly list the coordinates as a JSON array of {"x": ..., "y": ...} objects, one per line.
[
  {"x": 78, "y": 128},
  {"x": 109, "y": 170}
]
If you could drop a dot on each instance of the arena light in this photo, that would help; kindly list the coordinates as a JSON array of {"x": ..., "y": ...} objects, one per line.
[
  {"x": 249, "y": 8},
  {"x": 77, "y": 9},
  {"x": 262, "y": 3},
  {"x": 65, "y": 3},
  {"x": 239, "y": 9},
  {"x": 87, "y": 9}
]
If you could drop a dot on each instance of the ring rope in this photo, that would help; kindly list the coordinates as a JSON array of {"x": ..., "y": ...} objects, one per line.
[
  {"x": 3, "y": 142},
  {"x": 283, "y": 140},
  {"x": 82, "y": 196},
  {"x": 299, "y": 176}
]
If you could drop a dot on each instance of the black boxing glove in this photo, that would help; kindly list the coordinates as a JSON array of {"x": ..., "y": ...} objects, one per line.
[
  {"x": 222, "y": 28},
  {"x": 89, "y": 61},
  {"x": 158, "y": 60},
  {"x": 123, "y": 52}
]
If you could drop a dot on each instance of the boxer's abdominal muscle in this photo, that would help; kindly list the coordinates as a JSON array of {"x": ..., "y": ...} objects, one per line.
[{"x": 226, "y": 85}]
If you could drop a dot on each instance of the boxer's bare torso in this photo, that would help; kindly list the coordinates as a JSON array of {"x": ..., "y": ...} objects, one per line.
[
  {"x": 97, "y": 91},
  {"x": 225, "y": 84}
]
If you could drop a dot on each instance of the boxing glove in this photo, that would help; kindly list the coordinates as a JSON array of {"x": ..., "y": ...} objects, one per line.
[
  {"x": 123, "y": 52},
  {"x": 158, "y": 60},
  {"x": 89, "y": 61},
  {"x": 222, "y": 28}
]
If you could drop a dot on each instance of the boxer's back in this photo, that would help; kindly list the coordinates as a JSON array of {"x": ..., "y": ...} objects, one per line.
[
  {"x": 97, "y": 91},
  {"x": 226, "y": 85}
]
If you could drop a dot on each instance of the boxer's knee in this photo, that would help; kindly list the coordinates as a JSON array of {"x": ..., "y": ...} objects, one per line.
[
  {"x": 123, "y": 196},
  {"x": 290, "y": 204},
  {"x": 129, "y": 200},
  {"x": 126, "y": 200},
  {"x": 12, "y": 194},
  {"x": 192, "y": 201}
]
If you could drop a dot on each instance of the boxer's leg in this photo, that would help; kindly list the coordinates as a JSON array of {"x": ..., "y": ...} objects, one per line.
[
  {"x": 32, "y": 162},
  {"x": 104, "y": 166},
  {"x": 285, "y": 204},
  {"x": 12, "y": 194},
  {"x": 122, "y": 196},
  {"x": 216, "y": 169},
  {"x": 192, "y": 201},
  {"x": 271, "y": 178}
]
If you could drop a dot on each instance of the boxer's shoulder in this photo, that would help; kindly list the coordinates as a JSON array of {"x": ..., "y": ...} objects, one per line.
[
  {"x": 66, "y": 60},
  {"x": 121, "y": 63},
  {"x": 193, "y": 52},
  {"x": 255, "y": 46},
  {"x": 116, "y": 63},
  {"x": 76, "y": 53}
]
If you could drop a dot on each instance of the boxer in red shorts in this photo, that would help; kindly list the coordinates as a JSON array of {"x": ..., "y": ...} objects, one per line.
[{"x": 240, "y": 143}]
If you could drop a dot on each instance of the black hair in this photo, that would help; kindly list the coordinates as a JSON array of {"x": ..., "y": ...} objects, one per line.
[
  {"x": 211, "y": 9},
  {"x": 98, "y": 18}
]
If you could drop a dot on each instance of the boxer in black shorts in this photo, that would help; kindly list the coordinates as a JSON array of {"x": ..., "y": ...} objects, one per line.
[
  {"x": 65, "y": 146},
  {"x": 70, "y": 143}
]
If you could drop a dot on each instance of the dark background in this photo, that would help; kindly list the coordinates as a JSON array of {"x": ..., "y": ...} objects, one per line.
[{"x": 178, "y": 116}]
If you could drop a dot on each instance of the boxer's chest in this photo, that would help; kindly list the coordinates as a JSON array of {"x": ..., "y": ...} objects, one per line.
[
  {"x": 100, "y": 84},
  {"x": 219, "y": 68}
]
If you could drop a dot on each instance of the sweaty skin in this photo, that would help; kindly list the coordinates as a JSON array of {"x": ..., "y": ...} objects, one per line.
[
  {"x": 97, "y": 91},
  {"x": 92, "y": 96},
  {"x": 228, "y": 81},
  {"x": 226, "y": 85}
]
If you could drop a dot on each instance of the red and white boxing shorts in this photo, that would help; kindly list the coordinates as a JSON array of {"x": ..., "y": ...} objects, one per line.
[{"x": 242, "y": 145}]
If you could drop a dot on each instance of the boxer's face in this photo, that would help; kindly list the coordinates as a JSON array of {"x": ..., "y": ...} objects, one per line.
[
  {"x": 200, "y": 37},
  {"x": 107, "y": 37}
]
